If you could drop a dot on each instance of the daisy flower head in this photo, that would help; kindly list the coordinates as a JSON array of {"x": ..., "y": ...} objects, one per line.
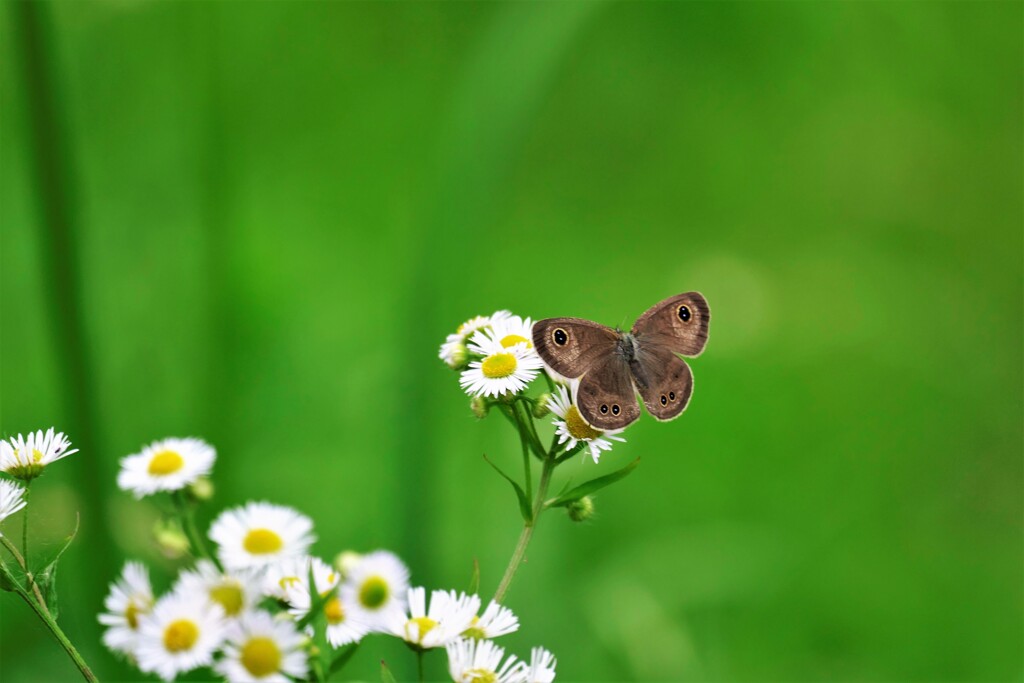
[
  {"x": 257, "y": 535},
  {"x": 235, "y": 592},
  {"x": 167, "y": 465},
  {"x": 180, "y": 634},
  {"x": 572, "y": 428},
  {"x": 453, "y": 350},
  {"x": 497, "y": 620},
  {"x": 344, "y": 624},
  {"x": 512, "y": 330},
  {"x": 376, "y": 587},
  {"x": 129, "y": 600},
  {"x": 12, "y": 499},
  {"x": 479, "y": 661},
  {"x": 259, "y": 647},
  {"x": 500, "y": 370},
  {"x": 25, "y": 458},
  {"x": 542, "y": 666},
  {"x": 449, "y": 615}
]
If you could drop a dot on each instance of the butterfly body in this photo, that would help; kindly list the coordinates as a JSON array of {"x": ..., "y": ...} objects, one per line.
[{"x": 614, "y": 366}]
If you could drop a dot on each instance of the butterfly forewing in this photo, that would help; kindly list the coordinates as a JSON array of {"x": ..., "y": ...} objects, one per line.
[
  {"x": 572, "y": 346},
  {"x": 679, "y": 323},
  {"x": 606, "y": 397}
]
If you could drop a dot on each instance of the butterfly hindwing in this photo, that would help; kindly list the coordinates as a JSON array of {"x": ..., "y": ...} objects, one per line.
[
  {"x": 606, "y": 397},
  {"x": 664, "y": 381},
  {"x": 572, "y": 346}
]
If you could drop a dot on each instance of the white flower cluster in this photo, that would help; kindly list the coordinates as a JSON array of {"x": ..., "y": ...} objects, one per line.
[
  {"x": 497, "y": 361},
  {"x": 252, "y": 614}
]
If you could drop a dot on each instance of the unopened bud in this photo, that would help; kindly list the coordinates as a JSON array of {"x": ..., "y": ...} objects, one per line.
[
  {"x": 345, "y": 561},
  {"x": 543, "y": 406},
  {"x": 201, "y": 489},
  {"x": 480, "y": 406},
  {"x": 171, "y": 539},
  {"x": 581, "y": 510},
  {"x": 458, "y": 357}
]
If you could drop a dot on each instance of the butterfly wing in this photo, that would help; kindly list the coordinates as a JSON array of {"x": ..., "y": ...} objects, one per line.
[
  {"x": 664, "y": 381},
  {"x": 679, "y": 323},
  {"x": 606, "y": 397},
  {"x": 572, "y": 346}
]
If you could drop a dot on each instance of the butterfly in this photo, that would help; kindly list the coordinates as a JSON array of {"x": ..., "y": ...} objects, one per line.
[{"x": 614, "y": 366}]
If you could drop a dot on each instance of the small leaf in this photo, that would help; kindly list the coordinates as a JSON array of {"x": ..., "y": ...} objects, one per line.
[
  {"x": 385, "y": 673},
  {"x": 588, "y": 487},
  {"x": 316, "y": 602},
  {"x": 524, "y": 505},
  {"x": 47, "y": 578},
  {"x": 339, "y": 662},
  {"x": 474, "y": 581},
  {"x": 6, "y": 581}
]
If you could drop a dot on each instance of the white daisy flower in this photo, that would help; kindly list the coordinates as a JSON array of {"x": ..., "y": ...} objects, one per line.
[
  {"x": 260, "y": 534},
  {"x": 167, "y": 465},
  {"x": 449, "y": 615},
  {"x": 235, "y": 592},
  {"x": 261, "y": 648},
  {"x": 180, "y": 634},
  {"x": 542, "y": 666},
  {"x": 453, "y": 350},
  {"x": 376, "y": 587},
  {"x": 25, "y": 458},
  {"x": 12, "y": 499},
  {"x": 479, "y": 661},
  {"x": 344, "y": 624},
  {"x": 130, "y": 599},
  {"x": 497, "y": 620},
  {"x": 501, "y": 370},
  {"x": 278, "y": 578},
  {"x": 573, "y": 428},
  {"x": 513, "y": 330}
]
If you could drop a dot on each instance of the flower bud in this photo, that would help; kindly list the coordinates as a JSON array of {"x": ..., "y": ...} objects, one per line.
[
  {"x": 458, "y": 357},
  {"x": 480, "y": 406},
  {"x": 171, "y": 539},
  {"x": 345, "y": 561},
  {"x": 581, "y": 510},
  {"x": 543, "y": 406},
  {"x": 201, "y": 489}
]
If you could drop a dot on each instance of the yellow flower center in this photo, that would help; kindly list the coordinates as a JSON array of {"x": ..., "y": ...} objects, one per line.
[
  {"x": 261, "y": 656},
  {"x": 262, "y": 542},
  {"x": 287, "y": 582},
  {"x": 499, "y": 365},
  {"x": 418, "y": 627},
  {"x": 513, "y": 339},
  {"x": 333, "y": 611},
  {"x": 36, "y": 455},
  {"x": 474, "y": 631},
  {"x": 166, "y": 462},
  {"x": 578, "y": 427},
  {"x": 374, "y": 592},
  {"x": 180, "y": 635},
  {"x": 229, "y": 596},
  {"x": 479, "y": 676},
  {"x": 132, "y": 615},
  {"x": 26, "y": 469}
]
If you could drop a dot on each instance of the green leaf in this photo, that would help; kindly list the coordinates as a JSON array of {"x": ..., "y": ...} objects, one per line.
[
  {"x": 339, "y": 662},
  {"x": 47, "y": 578},
  {"x": 524, "y": 505},
  {"x": 317, "y": 602},
  {"x": 7, "y": 581},
  {"x": 474, "y": 581},
  {"x": 385, "y": 673},
  {"x": 588, "y": 487}
]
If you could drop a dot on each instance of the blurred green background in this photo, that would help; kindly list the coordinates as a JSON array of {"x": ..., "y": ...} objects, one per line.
[{"x": 255, "y": 223}]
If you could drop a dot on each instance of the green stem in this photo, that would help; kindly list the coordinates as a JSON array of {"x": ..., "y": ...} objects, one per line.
[
  {"x": 527, "y": 429},
  {"x": 54, "y": 629},
  {"x": 24, "y": 537},
  {"x": 527, "y": 532},
  {"x": 188, "y": 523},
  {"x": 419, "y": 665},
  {"x": 13, "y": 550}
]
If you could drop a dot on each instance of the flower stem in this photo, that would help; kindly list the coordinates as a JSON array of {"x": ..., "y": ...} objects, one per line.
[
  {"x": 54, "y": 629},
  {"x": 527, "y": 533},
  {"x": 419, "y": 664},
  {"x": 24, "y": 537},
  {"x": 13, "y": 550},
  {"x": 188, "y": 523}
]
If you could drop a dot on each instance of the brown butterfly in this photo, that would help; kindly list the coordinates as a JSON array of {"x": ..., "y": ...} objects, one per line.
[{"x": 613, "y": 366}]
